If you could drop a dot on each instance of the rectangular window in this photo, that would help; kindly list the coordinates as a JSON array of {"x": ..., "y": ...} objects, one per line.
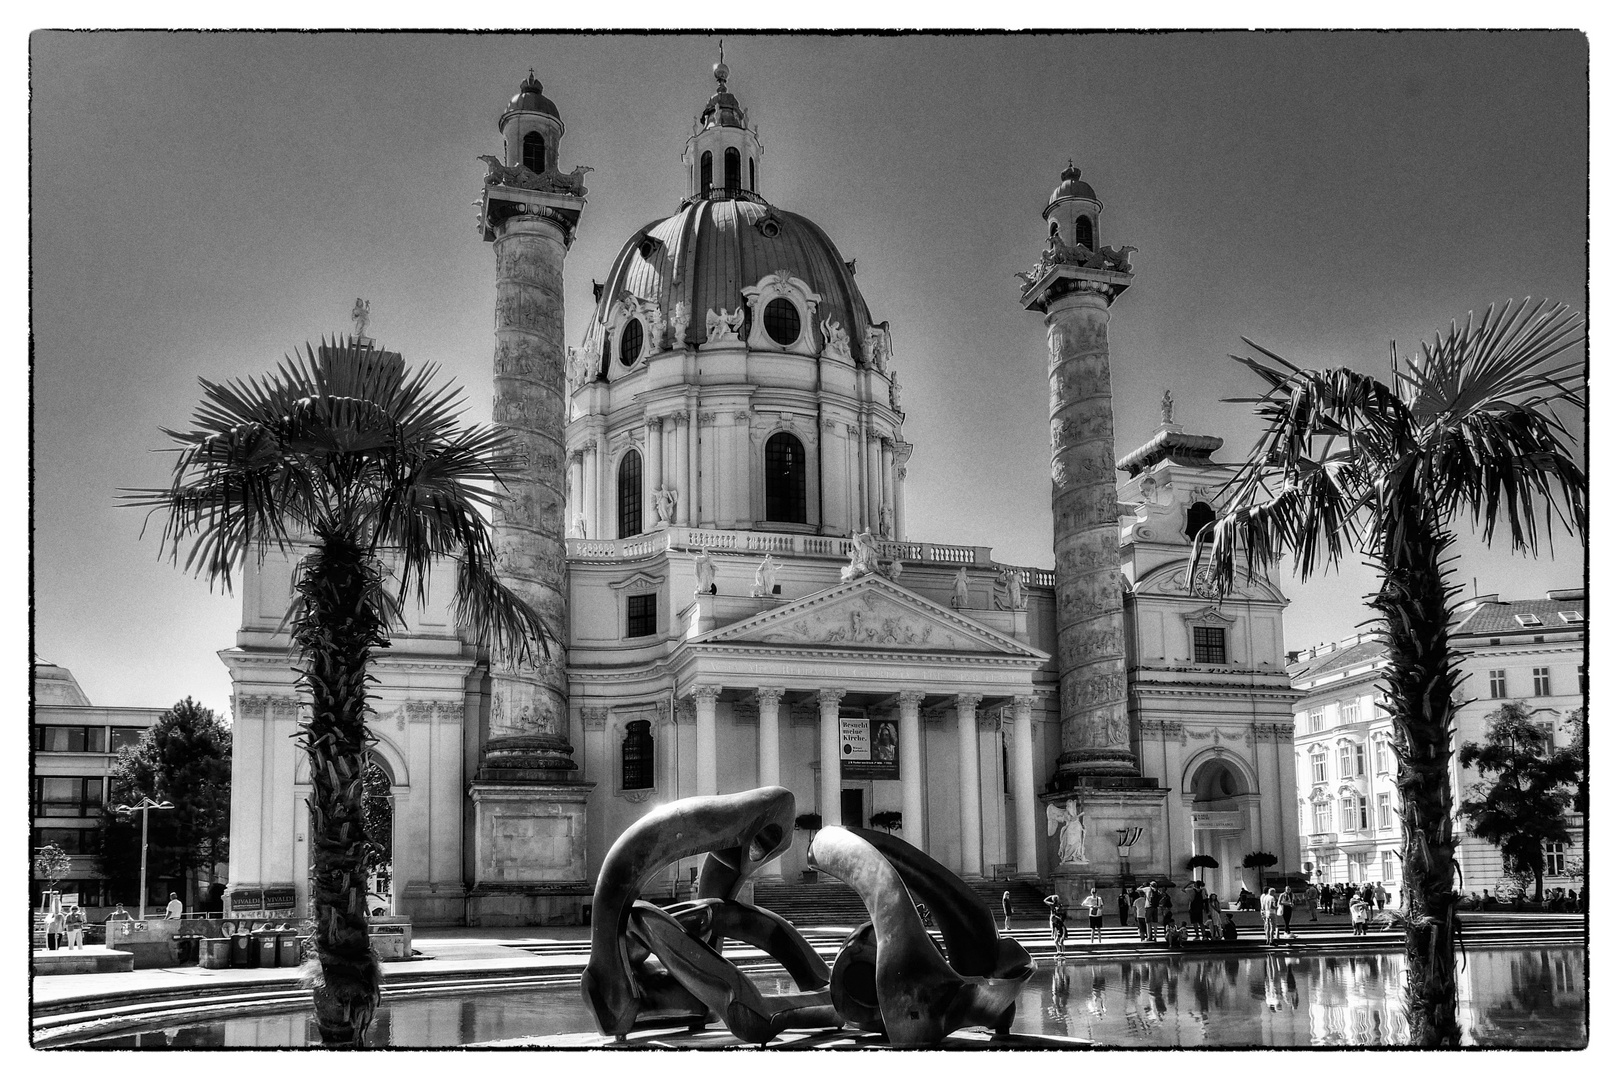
[
  {"x": 1362, "y": 812},
  {"x": 1348, "y": 815},
  {"x": 1317, "y": 719},
  {"x": 1387, "y": 867},
  {"x": 1350, "y": 712},
  {"x": 124, "y": 736},
  {"x": 1359, "y": 759},
  {"x": 1208, "y": 643},
  {"x": 1317, "y": 766},
  {"x": 1345, "y": 761},
  {"x": 637, "y": 755},
  {"x": 1497, "y": 683},
  {"x": 58, "y": 739},
  {"x": 1528, "y": 620},
  {"x": 642, "y": 615},
  {"x": 1382, "y": 754},
  {"x": 1555, "y": 860},
  {"x": 1384, "y": 810},
  {"x": 1322, "y": 817},
  {"x": 67, "y": 796},
  {"x": 72, "y": 841},
  {"x": 1542, "y": 682}
]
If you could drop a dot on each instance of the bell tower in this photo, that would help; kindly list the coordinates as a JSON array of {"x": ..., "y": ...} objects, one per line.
[{"x": 528, "y": 849}]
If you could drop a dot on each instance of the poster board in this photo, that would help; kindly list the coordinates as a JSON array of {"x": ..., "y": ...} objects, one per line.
[{"x": 870, "y": 748}]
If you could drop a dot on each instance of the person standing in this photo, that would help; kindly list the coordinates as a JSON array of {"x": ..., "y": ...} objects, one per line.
[
  {"x": 1358, "y": 910},
  {"x": 1123, "y": 906},
  {"x": 1288, "y": 900},
  {"x": 1093, "y": 904},
  {"x": 1311, "y": 897},
  {"x": 75, "y": 927},
  {"x": 1142, "y": 909},
  {"x": 118, "y": 922},
  {"x": 1058, "y": 923},
  {"x": 1197, "y": 908},
  {"x": 1267, "y": 909},
  {"x": 1381, "y": 896},
  {"x": 175, "y": 909},
  {"x": 1005, "y": 908},
  {"x": 1165, "y": 909},
  {"x": 55, "y": 927}
]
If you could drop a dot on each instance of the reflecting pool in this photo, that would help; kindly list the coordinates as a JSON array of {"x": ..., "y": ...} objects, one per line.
[{"x": 1526, "y": 998}]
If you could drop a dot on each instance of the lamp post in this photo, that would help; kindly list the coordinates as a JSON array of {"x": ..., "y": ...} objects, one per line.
[{"x": 143, "y": 806}]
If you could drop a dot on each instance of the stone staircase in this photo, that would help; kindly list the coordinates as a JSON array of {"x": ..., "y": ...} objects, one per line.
[{"x": 831, "y": 903}]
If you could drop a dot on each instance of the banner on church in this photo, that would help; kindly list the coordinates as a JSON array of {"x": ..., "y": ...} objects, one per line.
[{"x": 870, "y": 749}]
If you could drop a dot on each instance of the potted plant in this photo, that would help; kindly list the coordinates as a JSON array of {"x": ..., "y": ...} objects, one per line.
[
  {"x": 809, "y": 823},
  {"x": 1196, "y": 862},
  {"x": 1260, "y": 861},
  {"x": 888, "y": 820}
]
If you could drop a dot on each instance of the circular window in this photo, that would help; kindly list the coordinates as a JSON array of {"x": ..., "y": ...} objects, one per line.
[
  {"x": 781, "y": 321},
  {"x": 630, "y": 343}
]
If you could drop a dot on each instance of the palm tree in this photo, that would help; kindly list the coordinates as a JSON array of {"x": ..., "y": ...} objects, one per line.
[
  {"x": 346, "y": 453},
  {"x": 1471, "y": 426}
]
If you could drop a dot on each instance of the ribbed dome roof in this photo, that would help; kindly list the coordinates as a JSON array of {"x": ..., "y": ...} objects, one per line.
[
  {"x": 528, "y": 98},
  {"x": 1072, "y": 187},
  {"x": 708, "y": 252}
]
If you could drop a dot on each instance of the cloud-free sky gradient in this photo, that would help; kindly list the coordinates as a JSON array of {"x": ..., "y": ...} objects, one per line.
[{"x": 204, "y": 202}]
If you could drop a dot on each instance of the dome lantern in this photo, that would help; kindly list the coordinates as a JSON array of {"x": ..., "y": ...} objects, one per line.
[
  {"x": 724, "y": 154},
  {"x": 532, "y": 127},
  {"x": 1074, "y": 212}
]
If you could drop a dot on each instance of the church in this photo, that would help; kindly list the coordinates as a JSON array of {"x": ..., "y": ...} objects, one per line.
[{"x": 711, "y": 510}]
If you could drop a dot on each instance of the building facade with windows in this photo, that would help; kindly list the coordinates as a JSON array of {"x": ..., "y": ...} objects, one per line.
[
  {"x": 75, "y": 745},
  {"x": 715, "y": 511},
  {"x": 1348, "y": 810}
]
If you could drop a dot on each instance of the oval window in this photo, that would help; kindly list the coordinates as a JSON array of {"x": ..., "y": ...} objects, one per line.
[
  {"x": 629, "y": 345},
  {"x": 781, "y": 321}
]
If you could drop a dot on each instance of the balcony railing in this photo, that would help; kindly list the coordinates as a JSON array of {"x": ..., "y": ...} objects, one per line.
[{"x": 748, "y": 541}]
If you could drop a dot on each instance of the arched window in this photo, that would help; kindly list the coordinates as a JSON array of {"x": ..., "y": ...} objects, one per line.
[
  {"x": 785, "y": 479},
  {"x": 533, "y": 151},
  {"x": 637, "y": 755},
  {"x": 752, "y": 175},
  {"x": 733, "y": 169},
  {"x": 1056, "y": 227},
  {"x": 1084, "y": 232},
  {"x": 629, "y": 494},
  {"x": 1198, "y": 517},
  {"x": 630, "y": 342},
  {"x": 706, "y": 184}
]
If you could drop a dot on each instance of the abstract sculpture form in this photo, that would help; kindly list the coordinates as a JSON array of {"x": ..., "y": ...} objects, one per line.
[{"x": 889, "y": 976}]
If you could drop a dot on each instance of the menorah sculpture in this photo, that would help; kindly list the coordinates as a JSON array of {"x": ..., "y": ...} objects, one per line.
[{"x": 889, "y": 976}]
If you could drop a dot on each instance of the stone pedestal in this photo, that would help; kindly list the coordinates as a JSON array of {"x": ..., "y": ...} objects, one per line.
[
  {"x": 1109, "y": 805},
  {"x": 528, "y": 860}
]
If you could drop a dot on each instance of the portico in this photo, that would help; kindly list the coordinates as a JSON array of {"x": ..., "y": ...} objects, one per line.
[{"x": 871, "y": 649}]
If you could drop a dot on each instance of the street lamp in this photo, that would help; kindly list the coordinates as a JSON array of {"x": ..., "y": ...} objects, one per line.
[{"x": 143, "y": 806}]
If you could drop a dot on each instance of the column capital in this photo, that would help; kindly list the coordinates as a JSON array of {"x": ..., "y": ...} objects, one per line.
[
  {"x": 1023, "y": 703},
  {"x": 968, "y": 702},
  {"x": 595, "y": 717},
  {"x": 769, "y": 697},
  {"x": 575, "y": 456},
  {"x": 706, "y": 694},
  {"x": 989, "y": 720},
  {"x": 655, "y": 423},
  {"x": 831, "y": 697},
  {"x": 912, "y": 698},
  {"x": 590, "y": 444}
]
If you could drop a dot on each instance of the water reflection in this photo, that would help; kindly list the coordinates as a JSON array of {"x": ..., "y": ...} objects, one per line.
[{"x": 1509, "y": 997}]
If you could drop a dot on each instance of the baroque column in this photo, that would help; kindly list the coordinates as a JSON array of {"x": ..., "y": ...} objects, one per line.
[
  {"x": 831, "y": 758},
  {"x": 910, "y": 779},
  {"x": 681, "y": 480},
  {"x": 769, "y": 755},
  {"x": 707, "y": 700},
  {"x": 1022, "y": 784},
  {"x": 966, "y": 726},
  {"x": 1074, "y": 286}
]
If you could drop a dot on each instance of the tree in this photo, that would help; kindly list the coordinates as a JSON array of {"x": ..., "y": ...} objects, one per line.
[
  {"x": 379, "y": 828},
  {"x": 184, "y": 759},
  {"x": 888, "y": 820},
  {"x": 1260, "y": 861},
  {"x": 363, "y": 464},
  {"x": 1470, "y": 426},
  {"x": 51, "y": 864},
  {"x": 1526, "y": 787}
]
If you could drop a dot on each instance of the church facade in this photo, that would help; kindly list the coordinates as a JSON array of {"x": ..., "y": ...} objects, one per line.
[{"x": 713, "y": 507}]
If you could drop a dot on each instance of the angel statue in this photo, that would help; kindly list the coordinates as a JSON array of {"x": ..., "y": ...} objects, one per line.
[
  {"x": 764, "y": 576},
  {"x": 361, "y": 316},
  {"x": 1070, "y": 819},
  {"x": 703, "y": 564},
  {"x": 961, "y": 598},
  {"x": 861, "y": 556}
]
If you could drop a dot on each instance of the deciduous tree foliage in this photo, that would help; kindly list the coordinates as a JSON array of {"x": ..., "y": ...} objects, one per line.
[
  {"x": 363, "y": 466},
  {"x": 1472, "y": 427},
  {"x": 184, "y": 759},
  {"x": 1526, "y": 787}
]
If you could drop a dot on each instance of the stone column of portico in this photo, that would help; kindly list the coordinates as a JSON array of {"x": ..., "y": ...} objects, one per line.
[
  {"x": 966, "y": 725},
  {"x": 1023, "y": 799},
  {"x": 707, "y": 700},
  {"x": 769, "y": 755},
  {"x": 910, "y": 768},
  {"x": 831, "y": 758}
]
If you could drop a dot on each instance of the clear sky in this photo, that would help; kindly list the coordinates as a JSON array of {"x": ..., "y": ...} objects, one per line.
[{"x": 203, "y": 203}]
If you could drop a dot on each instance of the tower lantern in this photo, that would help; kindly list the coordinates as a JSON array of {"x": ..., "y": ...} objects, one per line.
[
  {"x": 1074, "y": 212},
  {"x": 723, "y": 157}
]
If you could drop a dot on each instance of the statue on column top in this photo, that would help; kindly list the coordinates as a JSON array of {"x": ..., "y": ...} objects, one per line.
[
  {"x": 1168, "y": 407},
  {"x": 361, "y": 316}
]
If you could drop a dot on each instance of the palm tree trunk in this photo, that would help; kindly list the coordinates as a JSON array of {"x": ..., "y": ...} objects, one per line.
[
  {"x": 335, "y": 633},
  {"x": 1421, "y": 676}
]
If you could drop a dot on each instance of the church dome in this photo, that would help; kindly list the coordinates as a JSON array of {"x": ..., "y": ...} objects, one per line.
[
  {"x": 1072, "y": 187},
  {"x": 707, "y": 253},
  {"x": 528, "y": 98}
]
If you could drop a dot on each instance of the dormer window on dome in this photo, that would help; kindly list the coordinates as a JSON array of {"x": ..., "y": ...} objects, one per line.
[
  {"x": 630, "y": 342},
  {"x": 782, "y": 323},
  {"x": 783, "y": 314}
]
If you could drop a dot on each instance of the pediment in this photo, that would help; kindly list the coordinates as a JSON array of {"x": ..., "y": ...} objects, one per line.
[{"x": 870, "y": 613}]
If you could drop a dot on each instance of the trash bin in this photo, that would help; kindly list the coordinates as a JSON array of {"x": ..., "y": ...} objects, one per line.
[
  {"x": 289, "y": 949},
  {"x": 242, "y": 952},
  {"x": 265, "y": 947},
  {"x": 215, "y": 952}
]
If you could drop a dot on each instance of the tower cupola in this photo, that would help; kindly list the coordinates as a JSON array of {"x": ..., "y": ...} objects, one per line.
[
  {"x": 1074, "y": 212},
  {"x": 532, "y": 128},
  {"x": 724, "y": 155}
]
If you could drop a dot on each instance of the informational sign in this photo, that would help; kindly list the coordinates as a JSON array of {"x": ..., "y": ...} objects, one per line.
[
  {"x": 280, "y": 897},
  {"x": 247, "y": 900},
  {"x": 870, "y": 749}
]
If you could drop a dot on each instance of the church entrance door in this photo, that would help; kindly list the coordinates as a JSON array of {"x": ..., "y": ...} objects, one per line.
[{"x": 853, "y": 808}]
